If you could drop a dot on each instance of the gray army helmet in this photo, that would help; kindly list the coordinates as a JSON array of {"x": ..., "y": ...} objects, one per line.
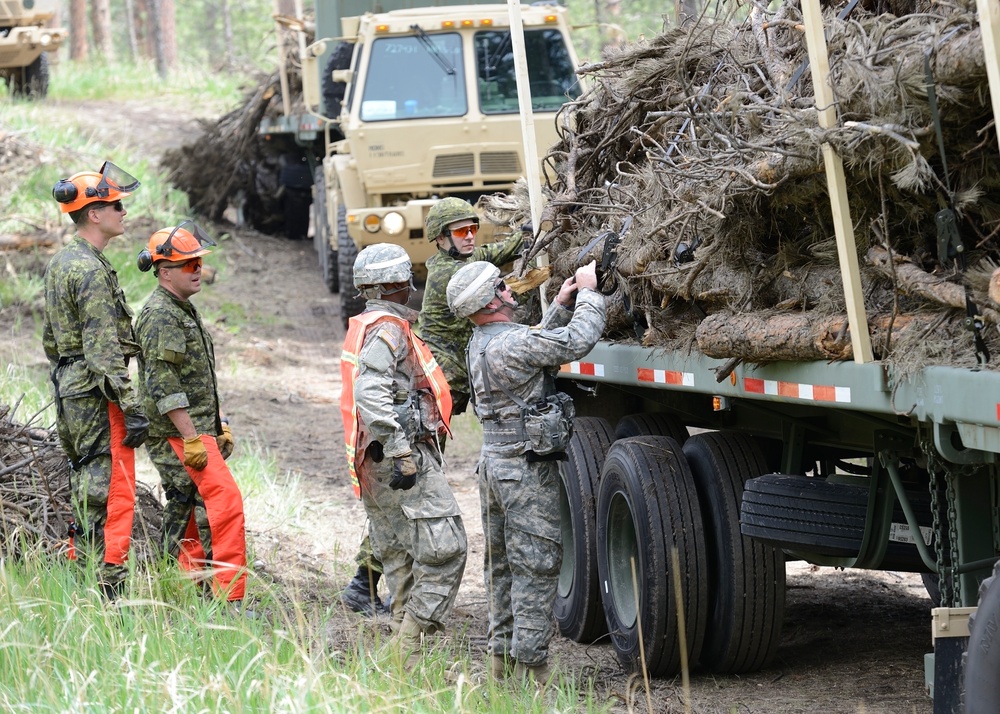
[
  {"x": 472, "y": 287},
  {"x": 380, "y": 264},
  {"x": 447, "y": 211}
]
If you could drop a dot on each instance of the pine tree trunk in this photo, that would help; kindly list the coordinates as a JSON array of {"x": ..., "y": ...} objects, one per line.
[
  {"x": 168, "y": 23},
  {"x": 227, "y": 34},
  {"x": 78, "y": 46},
  {"x": 156, "y": 37},
  {"x": 133, "y": 42},
  {"x": 101, "y": 18}
]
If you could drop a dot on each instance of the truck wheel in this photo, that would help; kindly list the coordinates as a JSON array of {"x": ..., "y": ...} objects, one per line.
[
  {"x": 981, "y": 690},
  {"x": 350, "y": 303},
  {"x": 653, "y": 425},
  {"x": 578, "y": 599},
  {"x": 746, "y": 577},
  {"x": 333, "y": 92},
  {"x": 32, "y": 81},
  {"x": 647, "y": 507}
]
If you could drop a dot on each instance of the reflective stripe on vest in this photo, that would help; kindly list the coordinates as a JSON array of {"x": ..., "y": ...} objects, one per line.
[{"x": 356, "y": 332}]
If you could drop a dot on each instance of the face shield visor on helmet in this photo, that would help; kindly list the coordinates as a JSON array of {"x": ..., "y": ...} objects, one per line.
[
  {"x": 109, "y": 184},
  {"x": 185, "y": 241}
]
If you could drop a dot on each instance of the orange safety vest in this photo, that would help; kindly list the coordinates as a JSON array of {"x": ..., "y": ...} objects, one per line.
[{"x": 349, "y": 370}]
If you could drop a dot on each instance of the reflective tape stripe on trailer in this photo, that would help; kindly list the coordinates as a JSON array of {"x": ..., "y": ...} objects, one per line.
[
  {"x": 793, "y": 390},
  {"x": 591, "y": 369},
  {"x": 665, "y": 376}
]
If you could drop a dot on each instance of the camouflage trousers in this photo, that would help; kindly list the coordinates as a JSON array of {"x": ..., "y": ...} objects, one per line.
[
  {"x": 182, "y": 496},
  {"x": 84, "y": 430},
  {"x": 521, "y": 522},
  {"x": 366, "y": 556},
  {"x": 419, "y": 537}
]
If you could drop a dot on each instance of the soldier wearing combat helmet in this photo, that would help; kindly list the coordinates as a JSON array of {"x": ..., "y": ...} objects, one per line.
[
  {"x": 526, "y": 428},
  {"x": 396, "y": 406},
  {"x": 88, "y": 340},
  {"x": 453, "y": 224}
]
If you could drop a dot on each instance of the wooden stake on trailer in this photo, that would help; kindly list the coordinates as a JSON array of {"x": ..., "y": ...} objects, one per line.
[
  {"x": 532, "y": 168},
  {"x": 847, "y": 251},
  {"x": 989, "y": 24}
]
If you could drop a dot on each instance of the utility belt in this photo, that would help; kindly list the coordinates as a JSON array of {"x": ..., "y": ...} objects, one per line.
[{"x": 68, "y": 359}]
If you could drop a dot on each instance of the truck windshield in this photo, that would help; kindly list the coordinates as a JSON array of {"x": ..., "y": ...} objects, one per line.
[
  {"x": 415, "y": 78},
  {"x": 551, "y": 73}
]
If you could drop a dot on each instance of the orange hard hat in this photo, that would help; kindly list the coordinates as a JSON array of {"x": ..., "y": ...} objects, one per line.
[
  {"x": 175, "y": 245},
  {"x": 107, "y": 185}
]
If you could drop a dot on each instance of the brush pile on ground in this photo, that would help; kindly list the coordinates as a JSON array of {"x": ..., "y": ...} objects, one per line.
[
  {"x": 34, "y": 495},
  {"x": 229, "y": 164},
  {"x": 701, "y": 150}
]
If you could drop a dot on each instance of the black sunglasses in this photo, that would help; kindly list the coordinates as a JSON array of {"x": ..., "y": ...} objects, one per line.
[{"x": 117, "y": 205}]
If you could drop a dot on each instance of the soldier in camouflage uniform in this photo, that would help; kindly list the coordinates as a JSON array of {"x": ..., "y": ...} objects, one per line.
[
  {"x": 453, "y": 223},
  {"x": 395, "y": 405},
  {"x": 88, "y": 340},
  {"x": 510, "y": 368},
  {"x": 189, "y": 438}
]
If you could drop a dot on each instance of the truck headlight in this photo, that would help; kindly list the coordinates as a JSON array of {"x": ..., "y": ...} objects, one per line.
[
  {"x": 371, "y": 223},
  {"x": 393, "y": 223}
]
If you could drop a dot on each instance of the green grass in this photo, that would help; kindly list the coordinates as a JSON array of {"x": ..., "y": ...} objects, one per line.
[{"x": 164, "y": 647}]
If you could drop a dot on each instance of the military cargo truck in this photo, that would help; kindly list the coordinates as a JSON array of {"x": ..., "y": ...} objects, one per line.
[
  {"x": 413, "y": 105},
  {"x": 25, "y": 42}
]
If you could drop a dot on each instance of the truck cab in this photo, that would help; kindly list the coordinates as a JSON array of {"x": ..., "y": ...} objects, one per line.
[{"x": 430, "y": 109}]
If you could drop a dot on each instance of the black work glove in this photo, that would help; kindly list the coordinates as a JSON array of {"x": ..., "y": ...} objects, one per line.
[
  {"x": 136, "y": 429},
  {"x": 404, "y": 473}
]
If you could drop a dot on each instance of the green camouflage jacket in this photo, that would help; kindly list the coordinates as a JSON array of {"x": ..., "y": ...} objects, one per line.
[
  {"x": 177, "y": 366},
  {"x": 445, "y": 334},
  {"x": 87, "y": 335}
]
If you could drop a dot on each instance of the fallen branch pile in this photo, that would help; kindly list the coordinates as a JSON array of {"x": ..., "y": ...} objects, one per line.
[
  {"x": 35, "y": 495},
  {"x": 701, "y": 147}
]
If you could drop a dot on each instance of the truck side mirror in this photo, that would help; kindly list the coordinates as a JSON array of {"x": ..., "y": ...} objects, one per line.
[{"x": 343, "y": 75}]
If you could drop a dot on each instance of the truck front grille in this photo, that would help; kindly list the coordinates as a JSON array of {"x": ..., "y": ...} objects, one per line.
[
  {"x": 500, "y": 162},
  {"x": 454, "y": 165}
]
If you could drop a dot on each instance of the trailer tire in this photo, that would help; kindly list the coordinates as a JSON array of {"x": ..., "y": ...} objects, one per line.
[
  {"x": 800, "y": 512},
  {"x": 351, "y": 303},
  {"x": 655, "y": 424},
  {"x": 577, "y": 606},
  {"x": 746, "y": 577},
  {"x": 31, "y": 81},
  {"x": 647, "y": 506},
  {"x": 981, "y": 686}
]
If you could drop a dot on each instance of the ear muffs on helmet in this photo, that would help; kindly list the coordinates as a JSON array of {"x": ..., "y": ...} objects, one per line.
[
  {"x": 182, "y": 242},
  {"x": 79, "y": 190}
]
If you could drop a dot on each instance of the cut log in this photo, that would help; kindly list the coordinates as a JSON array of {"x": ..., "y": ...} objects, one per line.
[
  {"x": 780, "y": 337},
  {"x": 915, "y": 281}
]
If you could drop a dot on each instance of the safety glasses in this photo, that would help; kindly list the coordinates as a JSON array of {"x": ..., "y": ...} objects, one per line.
[
  {"x": 469, "y": 231},
  {"x": 500, "y": 286},
  {"x": 191, "y": 267},
  {"x": 117, "y": 205}
]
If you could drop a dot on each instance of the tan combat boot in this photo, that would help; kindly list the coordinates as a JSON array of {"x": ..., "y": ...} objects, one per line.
[
  {"x": 407, "y": 642},
  {"x": 538, "y": 673},
  {"x": 501, "y": 667}
]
